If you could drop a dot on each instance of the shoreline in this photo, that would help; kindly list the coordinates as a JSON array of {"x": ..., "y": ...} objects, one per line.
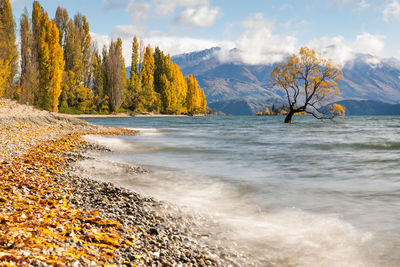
[
  {"x": 127, "y": 115},
  {"x": 72, "y": 220}
]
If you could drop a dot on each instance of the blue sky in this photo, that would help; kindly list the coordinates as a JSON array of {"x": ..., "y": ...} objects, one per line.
[{"x": 263, "y": 30}]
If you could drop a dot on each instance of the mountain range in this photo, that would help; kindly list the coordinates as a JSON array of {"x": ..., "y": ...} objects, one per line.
[{"x": 239, "y": 89}]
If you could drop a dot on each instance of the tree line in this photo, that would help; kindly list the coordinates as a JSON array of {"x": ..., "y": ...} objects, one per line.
[{"x": 61, "y": 69}]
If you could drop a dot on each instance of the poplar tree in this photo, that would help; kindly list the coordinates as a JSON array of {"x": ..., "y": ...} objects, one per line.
[
  {"x": 195, "y": 99},
  {"x": 8, "y": 50},
  {"x": 83, "y": 37},
  {"x": 131, "y": 98},
  {"x": 100, "y": 98},
  {"x": 29, "y": 73},
  {"x": 49, "y": 57},
  {"x": 149, "y": 100},
  {"x": 56, "y": 65},
  {"x": 61, "y": 20},
  {"x": 76, "y": 80},
  {"x": 114, "y": 75}
]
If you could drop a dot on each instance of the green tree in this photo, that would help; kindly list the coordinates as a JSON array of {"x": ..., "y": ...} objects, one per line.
[
  {"x": 78, "y": 66},
  {"x": 131, "y": 99},
  {"x": 97, "y": 80}
]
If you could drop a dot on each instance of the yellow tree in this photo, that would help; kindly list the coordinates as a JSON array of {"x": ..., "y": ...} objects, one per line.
[
  {"x": 195, "y": 99},
  {"x": 56, "y": 68},
  {"x": 150, "y": 100},
  {"x": 4, "y": 74},
  {"x": 8, "y": 49},
  {"x": 203, "y": 102},
  {"x": 309, "y": 82},
  {"x": 49, "y": 57}
]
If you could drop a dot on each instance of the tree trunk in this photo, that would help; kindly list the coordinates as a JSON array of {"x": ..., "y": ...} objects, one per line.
[{"x": 289, "y": 116}]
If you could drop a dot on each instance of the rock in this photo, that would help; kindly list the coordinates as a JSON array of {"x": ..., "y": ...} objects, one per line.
[{"x": 153, "y": 231}]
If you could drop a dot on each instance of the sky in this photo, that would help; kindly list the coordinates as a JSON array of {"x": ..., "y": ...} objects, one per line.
[{"x": 263, "y": 31}]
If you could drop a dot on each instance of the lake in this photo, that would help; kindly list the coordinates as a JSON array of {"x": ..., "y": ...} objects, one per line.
[{"x": 315, "y": 193}]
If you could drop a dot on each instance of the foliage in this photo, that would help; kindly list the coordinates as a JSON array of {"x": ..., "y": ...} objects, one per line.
[
  {"x": 8, "y": 50},
  {"x": 195, "y": 100},
  {"x": 49, "y": 55},
  {"x": 62, "y": 68},
  {"x": 308, "y": 81},
  {"x": 4, "y": 74},
  {"x": 338, "y": 110},
  {"x": 37, "y": 220}
]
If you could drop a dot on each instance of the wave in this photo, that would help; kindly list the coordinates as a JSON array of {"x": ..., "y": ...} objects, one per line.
[
  {"x": 112, "y": 143},
  {"x": 150, "y": 131},
  {"x": 361, "y": 146}
]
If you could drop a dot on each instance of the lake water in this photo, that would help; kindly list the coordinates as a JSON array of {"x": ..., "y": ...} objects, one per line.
[{"x": 313, "y": 193}]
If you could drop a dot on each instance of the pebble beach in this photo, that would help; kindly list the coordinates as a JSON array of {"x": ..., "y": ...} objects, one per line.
[{"x": 52, "y": 214}]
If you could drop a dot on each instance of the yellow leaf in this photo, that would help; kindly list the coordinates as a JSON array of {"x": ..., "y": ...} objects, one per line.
[
  {"x": 128, "y": 243},
  {"x": 72, "y": 255}
]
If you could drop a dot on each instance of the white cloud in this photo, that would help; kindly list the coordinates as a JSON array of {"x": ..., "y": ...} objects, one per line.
[
  {"x": 100, "y": 40},
  {"x": 391, "y": 10},
  {"x": 203, "y": 16},
  {"x": 197, "y": 12},
  {"x": 363, "y": 4},
  {"x": 340, "y": 51},
  {"x": 369, "y": 44},
  {"x": 259, "y": 45},
  {"x": 334, "y": 48}
]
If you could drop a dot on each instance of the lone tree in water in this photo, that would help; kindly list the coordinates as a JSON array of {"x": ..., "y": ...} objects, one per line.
[{"x": 309, "y": 82}]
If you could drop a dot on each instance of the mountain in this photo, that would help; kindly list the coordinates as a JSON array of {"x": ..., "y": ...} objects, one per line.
[
  {"x": 226, "y": 81},
  {"x": 368, "y": 78},
  {"x": 230, "y": 84}
]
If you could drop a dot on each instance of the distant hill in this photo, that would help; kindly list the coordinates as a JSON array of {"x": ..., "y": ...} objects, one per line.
[
  {"x": 245, "y": 106},
  {"x": 369, "y": 107}
]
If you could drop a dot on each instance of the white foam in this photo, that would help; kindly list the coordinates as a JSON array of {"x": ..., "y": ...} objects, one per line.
[
  {"x": 148, "y": 131},
  {"x": 300, "y": 238},
  {"x": 113, "y": 143}
]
